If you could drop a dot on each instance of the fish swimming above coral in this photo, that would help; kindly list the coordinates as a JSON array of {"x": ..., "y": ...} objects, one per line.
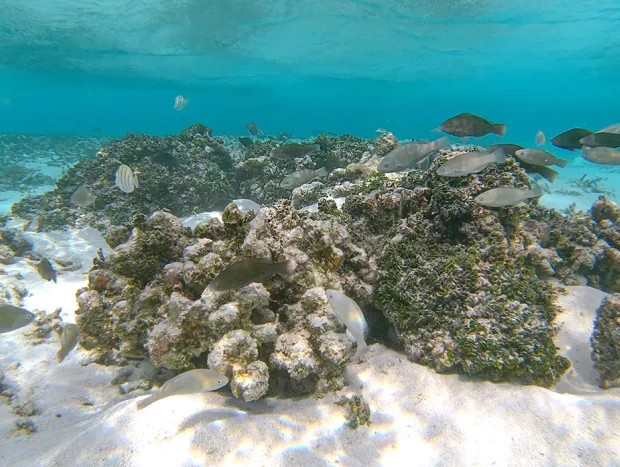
[
  {"x": 511, "y": 149},
  {"x": 601, "y": 155},
  {"x": 506, "y": 196},
  {"x": 46, "y": 271},
  {"x": 350, "y": 314},
  {"x": 125, "y": 179},
  {"x": 83, "y": 197},
  {"x": 470, "y": 163},
  {"x": 14, "y": 317},
  {"x": 301, "y": 177},
  {"x": 539, "y": 157},
  {"x": 68, "y": 340},
  {"x": 608, "y": 140},
  {"x": 252, "y": 128},
  {"x": 467, "y": 124},
  {"x": 570, "y": 139},
  {"x": 180, "y": 102},
  {"x": 246, "y": 205},
  {"x": 540, "y": 138},
  {"x": 190, "y": 382},
  {"x": 250, "y": 270},
  {"x": 411, "y": 156},
  {"x": 294, "y": 150}
]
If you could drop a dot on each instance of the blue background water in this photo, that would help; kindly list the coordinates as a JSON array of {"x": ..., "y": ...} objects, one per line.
[{"x": 308, "y": 67}]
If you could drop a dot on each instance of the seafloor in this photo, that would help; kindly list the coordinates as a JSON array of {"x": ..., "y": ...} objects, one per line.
[{"x": 495, "y": 335}]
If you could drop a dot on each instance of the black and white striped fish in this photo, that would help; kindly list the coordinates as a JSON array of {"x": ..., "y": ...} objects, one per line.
[
  {"x": 125, "y": 179},
  {"x": 180, "y": 102}
]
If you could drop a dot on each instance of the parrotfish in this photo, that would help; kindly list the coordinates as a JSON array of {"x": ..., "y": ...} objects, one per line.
[
  {"x": 470, "y": 163},
  {"x": 506, "y": 196},
  {"x": 607, "y": 156},
  {"x": 511, "y": 149},
  {"x": 411, "y": 156},
  {"x": 246, "y": 271},
  {"x": 14, "y": 317},
  {"x": 539, "y": 157},
  {"x": 608, "y": 140},
  {"x": 349, "y": 314},
  {"x": 190, "y": 382},
  {"x": 301, "y": 177},
  {"x": 466, "y": 124},
  {"x": 570, "y": 138},
  {"x": 293, "y": 150}
]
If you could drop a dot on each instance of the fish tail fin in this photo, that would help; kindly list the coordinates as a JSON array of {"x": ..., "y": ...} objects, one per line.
[
  {"x": 548, "y": 173},
  {"x": 499, "y": 129},
  {"x": 442, "y": 143},
  {"x": 498, "y": 156},
  {"x": 537, "y": 192},
  {"x": 322, "y": 172},
  {"x": 287, "y": 267},
  {"x": 60, "y": 356},
  {"x": 562, "y": 163},
  {"x": 362, "y": 348},
  {"x": 146, "y": 401}
]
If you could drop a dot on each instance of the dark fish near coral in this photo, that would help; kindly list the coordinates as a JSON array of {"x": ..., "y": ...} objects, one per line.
[
  {"x": 83, "y": 197},
  {"x": 164, "y": 158},
  {"x": 190, "y": 382},
  {"x": 301, "y": 177},
  {"x": 602, "y": 155},
  {"x": 247, "y": 142},
  {"x": 246, "y": 271},
  {"x": 46, "y": 270},
  {"x": 14, "y": 317},
  {"x": 595, "y": 140},
  {"x": 570, "y": 139},
  {"x": 470, "y": 163},
  {"x": 293, "y": 150},
  {"x": 539, "y": 157},
  {"x": 411, "y": 156},
  {"x": 68, "y": 340},
  {"x": 511, "y": 149},
  {"x": 506, "y": 196},
  {"x": 332, "y": 161},
  {"x": 253, "y": 128},
  {"x": 466, "y": 124}
]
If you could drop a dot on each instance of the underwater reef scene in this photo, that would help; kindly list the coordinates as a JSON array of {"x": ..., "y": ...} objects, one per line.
[{"x": 452, "y": 284}]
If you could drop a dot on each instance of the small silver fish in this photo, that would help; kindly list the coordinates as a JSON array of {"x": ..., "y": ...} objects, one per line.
[
  {"x": 14, "y": 317},
  {"x": 539, "y": 157},
  {"x": 190, "y": 382},
  {"x": 180, "y": 102},
  {"x": 250, "y": 270},
  {"x": 601, "y": 155},
  {"x": 46, "y": 271},
  {"x": 301, "y": 177},
  {"x": 411, "y": 156},
  {"x": 125, "y": 179},
  {"x": 506, "y": 196},
  {"x": 540, "y": 138},
  {"x": 246, "y": 205},
  {"x": 471, "y": 163},
  {"x": 293, "y": 150},
  {"x": 68, "y": 340},
  {"x": 83, "y": 197},
  {"x": 349, "y": 314}
]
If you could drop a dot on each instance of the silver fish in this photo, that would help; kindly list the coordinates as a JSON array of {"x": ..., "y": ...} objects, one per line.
[
  {"x": 540, "y": 138},
  {"x": 14, "y": 317},
  {"x": 615, "y": 128},
  {"x": 68, "y": 340},
  {"x": 190, "y": 382},
  {"x": 349, "y": 314},
  {"x": 180, "y": 102},
  {"x": 539, "y": 157},
  {"x": 601, "y": 155},
  {"x": 249, "y": 270},
  {"x": 246, "y": 205},
  {"x": 506, "y": 196},
  {"x": 125, "y": 179},
  {"x": 411, "y": 156},
  {"x": 46, "y": 271},
  {"x": 471, "y": 163},
  {"x": 83, "y": 197},
  {"x": 302, "y": 177}
]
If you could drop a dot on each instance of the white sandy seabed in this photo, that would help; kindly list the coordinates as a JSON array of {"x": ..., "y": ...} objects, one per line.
[{"x": 418, "y": 417}]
